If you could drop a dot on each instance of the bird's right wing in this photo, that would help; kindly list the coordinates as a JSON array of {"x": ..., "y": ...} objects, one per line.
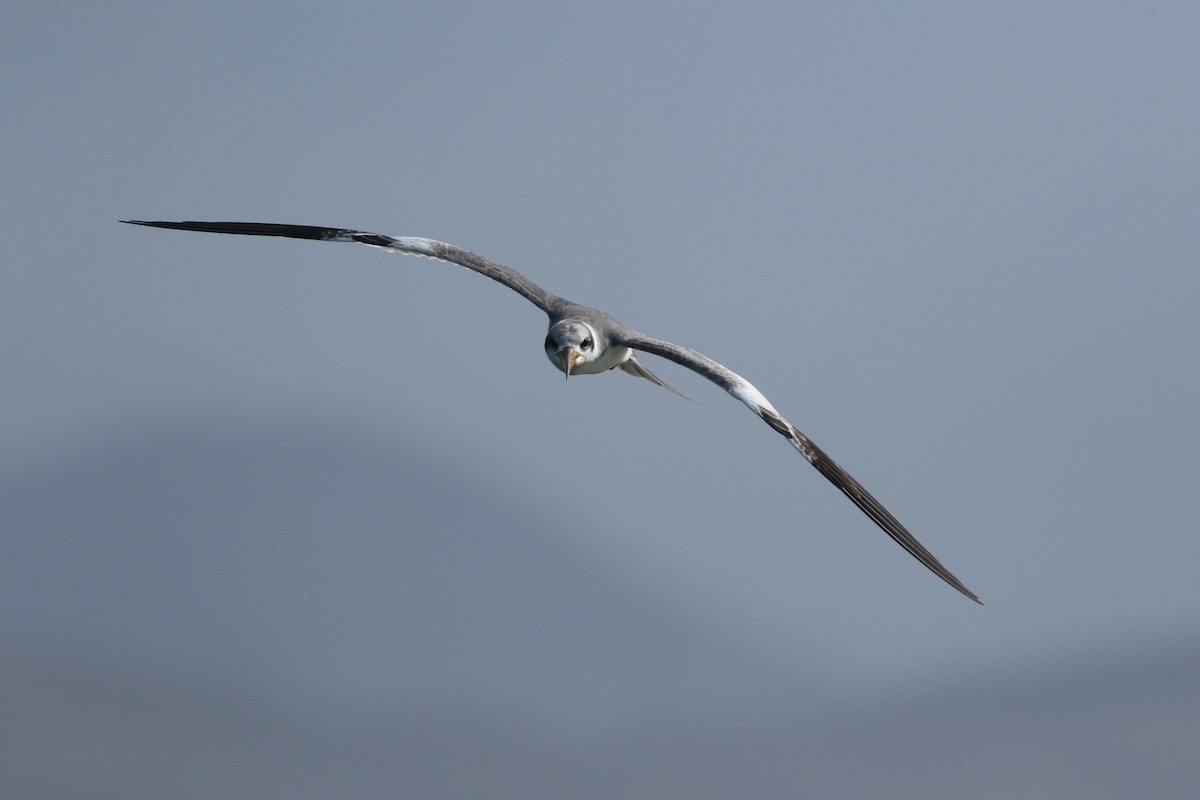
[{"x": 430, "y": 248}]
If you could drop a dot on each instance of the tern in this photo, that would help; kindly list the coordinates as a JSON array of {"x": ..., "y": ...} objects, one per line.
[{"x": 584, "y": 341}]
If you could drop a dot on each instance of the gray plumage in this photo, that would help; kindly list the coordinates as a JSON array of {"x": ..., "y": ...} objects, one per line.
[{"x": 582, "y": 340}]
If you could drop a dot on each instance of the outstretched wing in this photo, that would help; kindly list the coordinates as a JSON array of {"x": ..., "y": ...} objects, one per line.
[
  {"x": 401, "y": 244},
  {"x": 743, "y": 390}
]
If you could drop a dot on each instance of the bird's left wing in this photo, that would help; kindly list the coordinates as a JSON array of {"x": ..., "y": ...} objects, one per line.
[
  {"x": 430, "y": 248},
  {"x": 743, "y": 390}
]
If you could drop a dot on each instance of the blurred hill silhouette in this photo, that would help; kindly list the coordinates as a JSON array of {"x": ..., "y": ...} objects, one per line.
[{"x": 248, "y": 609}]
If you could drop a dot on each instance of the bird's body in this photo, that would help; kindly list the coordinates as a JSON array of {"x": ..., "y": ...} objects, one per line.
[{"x": 584, "y": 341}]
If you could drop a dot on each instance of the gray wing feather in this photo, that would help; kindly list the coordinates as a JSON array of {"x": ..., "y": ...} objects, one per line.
[{"x": 638, "y": 369}]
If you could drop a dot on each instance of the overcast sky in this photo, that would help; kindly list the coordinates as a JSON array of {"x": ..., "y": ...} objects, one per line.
[{"x": 954, "y": 244}]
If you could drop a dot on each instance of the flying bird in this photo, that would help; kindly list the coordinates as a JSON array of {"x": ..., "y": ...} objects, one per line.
[{"x": 584, "y": 341}]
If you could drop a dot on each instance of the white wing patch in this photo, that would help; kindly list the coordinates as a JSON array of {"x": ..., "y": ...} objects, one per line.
[
  {"x": 743, "y": 390},
  {"x": 415, "y": 245},
  {"x": 412, "y": 245}
]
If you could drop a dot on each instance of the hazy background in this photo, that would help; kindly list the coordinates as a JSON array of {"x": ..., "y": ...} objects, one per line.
[{"x": 301, "y": 520}]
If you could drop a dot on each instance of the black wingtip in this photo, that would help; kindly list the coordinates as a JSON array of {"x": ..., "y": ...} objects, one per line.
[
  {"x": 967, "y": 593},
  {"x": 150, "y": 223},
  {"x": 319, "y": 232}
]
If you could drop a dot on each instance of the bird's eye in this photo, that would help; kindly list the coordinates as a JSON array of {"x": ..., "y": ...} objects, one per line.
[
  {"x": 549, "y": 345},
  {"x": 586, "y": 344}
]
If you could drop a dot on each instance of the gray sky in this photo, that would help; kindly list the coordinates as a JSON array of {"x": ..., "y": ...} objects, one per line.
[{"x": 954, "y": 244}]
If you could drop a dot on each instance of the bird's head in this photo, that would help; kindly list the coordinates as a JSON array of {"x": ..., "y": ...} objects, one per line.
[{"x": 571, "y": 344}]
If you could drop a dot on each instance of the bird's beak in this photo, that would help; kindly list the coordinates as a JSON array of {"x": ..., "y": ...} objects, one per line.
[{"x": 569, "y": 356}]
